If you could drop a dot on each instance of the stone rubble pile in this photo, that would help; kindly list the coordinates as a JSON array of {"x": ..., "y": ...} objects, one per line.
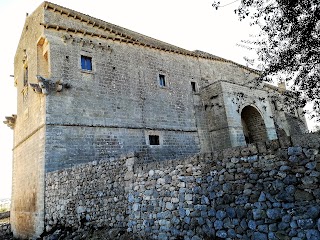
[
  {"x": 261, "y": 191},
  {"x": 5, "y": 231}
]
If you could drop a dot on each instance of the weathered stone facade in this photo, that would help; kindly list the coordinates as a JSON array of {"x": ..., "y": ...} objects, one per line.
[{"x": 90, "y": 91}]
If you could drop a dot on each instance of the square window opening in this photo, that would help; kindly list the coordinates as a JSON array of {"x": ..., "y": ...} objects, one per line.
[
  {"x": 162, "y": 80},
  {"x": 154, "y": 140},
  {"x": 86, "y": 63},
  {"x": 194, "y": 86}
]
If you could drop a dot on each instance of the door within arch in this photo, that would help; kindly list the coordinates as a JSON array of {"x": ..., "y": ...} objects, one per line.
[{"x": 254, "y": 129}]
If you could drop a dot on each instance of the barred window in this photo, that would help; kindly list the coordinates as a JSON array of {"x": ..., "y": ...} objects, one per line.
[{"x": 154, "y": 140}]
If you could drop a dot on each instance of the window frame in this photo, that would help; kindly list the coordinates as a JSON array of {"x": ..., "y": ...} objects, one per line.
[
  {"x": 159, "y": 134},
  {"x": 154, "y": 140},
  {"x": 86, "y": 63},
  {"x": 162, "y": 80},
  {"x": 194, "y": 86}
]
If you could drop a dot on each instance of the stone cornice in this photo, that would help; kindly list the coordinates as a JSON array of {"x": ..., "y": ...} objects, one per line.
[
  {"x": 86, "y": 19},
  {"x": 125, "y": 37},
  {"x": 87, "y": 33}
]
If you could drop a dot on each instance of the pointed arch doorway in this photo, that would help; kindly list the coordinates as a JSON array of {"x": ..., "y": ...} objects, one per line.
[{"x": 254, "y": 129}]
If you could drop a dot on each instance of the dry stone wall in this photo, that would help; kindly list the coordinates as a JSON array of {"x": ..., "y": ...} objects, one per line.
[
  {"x": 92, "y": 194},
  {"x": 5, "y": 231},
  {"x": 261, "y": 191}
]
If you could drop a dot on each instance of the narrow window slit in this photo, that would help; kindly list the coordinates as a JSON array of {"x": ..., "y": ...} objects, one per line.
[
  {"x": 162, "y": 80},
  {"x": 194, "y": 86}
]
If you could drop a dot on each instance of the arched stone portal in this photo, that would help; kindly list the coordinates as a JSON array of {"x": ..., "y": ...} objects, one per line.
[{"x": 254, "y": 129}]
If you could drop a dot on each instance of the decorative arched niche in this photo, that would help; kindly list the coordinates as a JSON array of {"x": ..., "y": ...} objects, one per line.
[{"x": 254, "y": 128}]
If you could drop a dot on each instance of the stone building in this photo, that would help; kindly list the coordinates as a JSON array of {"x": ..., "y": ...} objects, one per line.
[{"x": 89, "y": 90}]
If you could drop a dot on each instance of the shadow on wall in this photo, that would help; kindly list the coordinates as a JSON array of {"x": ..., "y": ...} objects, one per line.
[{"x": 254, "y": 129}]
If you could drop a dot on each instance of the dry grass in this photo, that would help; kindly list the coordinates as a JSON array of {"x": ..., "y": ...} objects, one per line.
[
  {"x": 4, "y": 209},
  {"x": 4, "y": 220}
]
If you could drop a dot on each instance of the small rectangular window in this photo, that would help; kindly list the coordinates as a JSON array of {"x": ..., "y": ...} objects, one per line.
[
  {"x": 86, "y": 63},
  {"x": 154, "y": 140},
  {"x": 162, "y": 80},
  {"x": 25, "y": 77},
  {"x": 194, "y": 86}
]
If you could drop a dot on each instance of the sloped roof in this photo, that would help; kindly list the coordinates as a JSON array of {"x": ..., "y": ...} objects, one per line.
[{"x": 118, "y": 33}]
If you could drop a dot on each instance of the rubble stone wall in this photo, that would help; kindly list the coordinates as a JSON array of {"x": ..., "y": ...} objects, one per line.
[
  {"x": 5, "y": 230},
  {"x": 91, "y": 194},
  {"x": 260, "y": 191}
]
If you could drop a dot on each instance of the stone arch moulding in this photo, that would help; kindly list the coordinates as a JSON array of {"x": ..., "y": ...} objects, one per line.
[
  {"x": 253, "y": 124},
  {"x": 246, "y": 104}
]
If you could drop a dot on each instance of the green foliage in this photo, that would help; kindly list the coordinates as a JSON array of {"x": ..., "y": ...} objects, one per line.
[
  {"x": 289, "y": 43},
  {"x": 4, "y": 209}
]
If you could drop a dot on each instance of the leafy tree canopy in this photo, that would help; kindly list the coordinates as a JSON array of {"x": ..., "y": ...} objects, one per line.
[{"x": 289, "y": 43}]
